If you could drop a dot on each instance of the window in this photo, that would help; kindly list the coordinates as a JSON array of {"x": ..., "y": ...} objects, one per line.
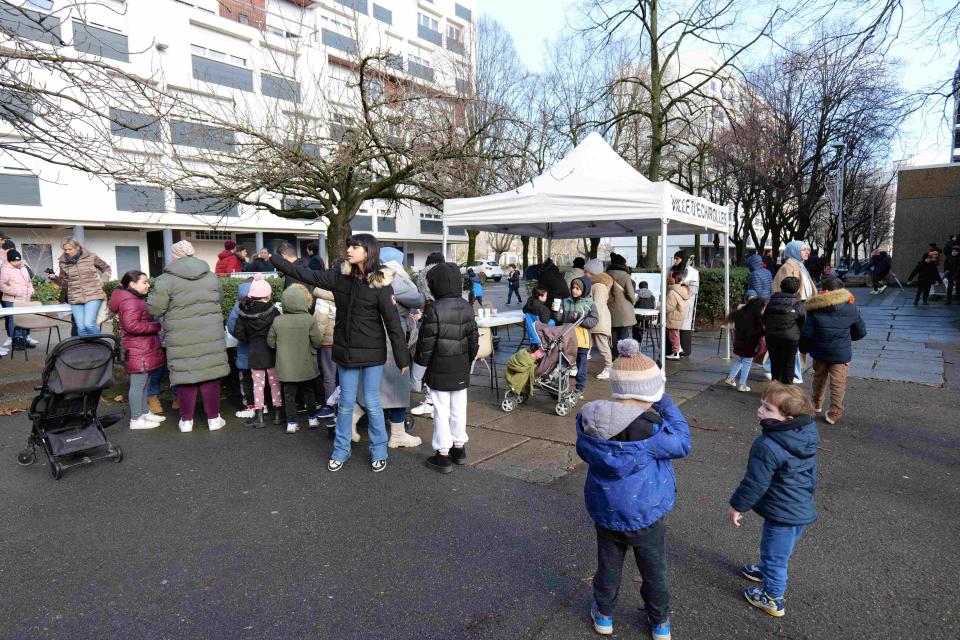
[
  {"x": 29, "y": 24},
  {"x": 383, "y": 15},
  {"x": 281, "y": 33},
  {"x": 201, "y": 136},
  {"x": 15, "y": 106},
  {"x": 426, "y": 21},
  {"x": 455, "y": 39},
  {"x": 362, "y": 222},
  {"x": 338, "y": 41},
  {"x": 360, "y": 6},
  {"x": 219, "y": 236},
  {"x": 279, "y": 87},
  {"x": 428, "y": 29},
  {"x": 393, "y": 61},
  {"x": 45, "y": 5},
  {"x": 135, "y": 197},
  {"x": 199, "y": 50},
  {"x": 20, "y": 189},
  {"x": 463, "y": 86},
  {"x": 419, "y": 68},
  {"x": 463, "y": 13},
  {"x": 100, "y": 42},
  {"x": 196, "y": 202},
  {"x": 386, "y": 221},
  {"x": 128, "y": 259},
  {"x": 223, "y": 74},
  {"x": 128, "y": 124},
  {"x": 242, "y": 11}
]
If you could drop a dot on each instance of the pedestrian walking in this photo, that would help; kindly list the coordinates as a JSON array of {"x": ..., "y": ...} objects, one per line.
[
  {"x": 513, "y": 283},
  {"x": 779, "y": 485},
  {"x": 628, "y": 443},
  {"x": 748, "y": 340},
  {"x": 188, "y": 297},
  {"x": 256, "y": 316},
  {"x": 140, "y": 341},
  {"x": 833, "y": 323},
  {"x": 83, "y": 274},
  {"x": 783, "y": 319},
  {"x": 926, "y": 273},
  {"x": 447, "y": 346},
  {"x": 601, "y": 285},
  {"x": 622, "y": 297},
  {"x": 879, "y": 270},
  {"x": 366, "y": 314},
  {"x": 476, "y": 287},
  {"x": 580, "y": 306},
  {"x": 951, "y": 270},
  {"x": 295, "y": 336},
  {"x": 677, "y": 300},
  {"x": 16, "y": 285}
]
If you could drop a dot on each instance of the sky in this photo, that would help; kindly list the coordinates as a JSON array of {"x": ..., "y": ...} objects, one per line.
[{"x": 924, "y": 138}]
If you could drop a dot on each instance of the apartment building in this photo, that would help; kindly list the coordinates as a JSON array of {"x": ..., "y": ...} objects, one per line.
[{"x": 225, "y": 50}]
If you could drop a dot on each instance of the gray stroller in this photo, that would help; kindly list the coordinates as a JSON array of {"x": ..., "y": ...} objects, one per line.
[{"x": 552, "y": 373}]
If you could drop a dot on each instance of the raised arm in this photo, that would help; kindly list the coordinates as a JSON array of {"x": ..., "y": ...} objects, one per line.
[
  {"x": 674, "y": 440},
  {"x": 322, "y": 279}
]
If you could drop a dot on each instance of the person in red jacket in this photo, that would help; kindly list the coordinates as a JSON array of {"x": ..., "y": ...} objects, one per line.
[
  {"x": 231, "y": 259},
  {"x": 140, "y": 339}
]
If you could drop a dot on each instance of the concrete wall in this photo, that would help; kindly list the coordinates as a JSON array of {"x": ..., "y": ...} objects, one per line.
[{"x": 928, "y": 210}]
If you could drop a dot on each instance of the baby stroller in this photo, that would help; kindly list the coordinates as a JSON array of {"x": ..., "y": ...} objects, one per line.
[
  {"x": 552, "y": 372},
  {"x": 64, "y": 414}
]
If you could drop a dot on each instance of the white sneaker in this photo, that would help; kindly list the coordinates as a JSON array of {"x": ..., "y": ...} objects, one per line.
[
  {"x": 152, "y": 417},
  {"x": 30, "y": 340},
  {"x": 293, "y": 427},
  {"x": 731, "y": 382},
  {"x": 883, "y": 288},
  {"x": 313, "y": 423},
  {"x": 769, "y": 375},
  {"x": 423, "y": 409},
  {"x": 8, "y": 342},
  {"x": 3, "y": 352},
  {"x": 246, "y": 413},
  {"x": 186, "y": 426},
  {"x": 573, "y": 372},
  {"x": 743, "y": 388},
  {"x": 673, "y": 356},
  {"x": 216, "y": 423},
  {"x": 140, "y": 423},
  {"x": 798, "y": 381},
  {"x": 604, "y": 375}
]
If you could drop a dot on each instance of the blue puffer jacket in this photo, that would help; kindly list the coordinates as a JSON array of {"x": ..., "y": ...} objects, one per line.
[
  {"x": 760, "y": 279},
  {"x": 781, "y": 473},
  {"x": 833, "y": 322},
  {"x": 243, "y": 348},
  {"x": 630, "y": 485}
]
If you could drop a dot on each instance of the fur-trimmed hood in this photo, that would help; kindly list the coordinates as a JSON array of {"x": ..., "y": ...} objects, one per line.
[
  {"x": 829, "y": 299},
  {"x": 382, "y": 277},
  {"x": 601, "y": 278}
]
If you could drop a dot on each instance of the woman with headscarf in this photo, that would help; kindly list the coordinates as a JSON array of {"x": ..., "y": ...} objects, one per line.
[
  {"x": 189, "y": 298},
  {"x": 82, "y": 273},
  {"x": 796, "y": 253}
]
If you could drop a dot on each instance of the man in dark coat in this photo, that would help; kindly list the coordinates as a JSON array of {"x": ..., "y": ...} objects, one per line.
[
  {"x": 927, "y": 272},
  {"x": 260, "y": 264},
  {"x": 552, "y": 280},
  {"x": 879, "y": 270},
  {"x": 833, "y": 323}
]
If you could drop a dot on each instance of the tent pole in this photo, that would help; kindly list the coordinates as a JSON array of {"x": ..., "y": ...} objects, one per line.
[
  {"x": 726, "y": 285},
  {"x": 445, "y": 257},
  {"x": 663, "y": 298}
]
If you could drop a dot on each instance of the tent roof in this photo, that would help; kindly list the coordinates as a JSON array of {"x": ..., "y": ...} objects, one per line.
[{"x": 591, "y": 192}]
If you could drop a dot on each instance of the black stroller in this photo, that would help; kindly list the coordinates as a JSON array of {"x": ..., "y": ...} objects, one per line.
[{"x": 64, "y": 414}]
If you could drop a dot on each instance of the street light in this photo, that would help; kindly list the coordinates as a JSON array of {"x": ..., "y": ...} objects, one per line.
[{"x": 842, "y": 172}]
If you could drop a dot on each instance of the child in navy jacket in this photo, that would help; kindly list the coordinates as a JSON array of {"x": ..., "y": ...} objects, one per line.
[
  {"x": 779, "y": 485},
  {"x": 630, "y": 483}
]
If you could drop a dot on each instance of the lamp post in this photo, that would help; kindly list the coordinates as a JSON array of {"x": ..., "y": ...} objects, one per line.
[{"x": 841, "y": 175}]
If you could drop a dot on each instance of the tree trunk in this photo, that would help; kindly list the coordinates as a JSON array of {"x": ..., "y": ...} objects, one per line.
[
  {"x": 338, "y": 232},
  {"x": 697, "y": 250},
  {"x": 525, "y": 242},
  {"x": 472, "y": 245},
  {"x": 639, "y": 251},
  {"x": 594, "y": 245},
  {"x": 657, "y": 123},
  {"x": 539, "y": 250}
]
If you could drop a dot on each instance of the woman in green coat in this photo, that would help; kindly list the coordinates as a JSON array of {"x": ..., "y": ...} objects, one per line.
[{"x": 188, "y": 296}]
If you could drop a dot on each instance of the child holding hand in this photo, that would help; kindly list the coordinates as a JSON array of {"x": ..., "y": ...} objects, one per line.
[{"x": 779, "y": 485}]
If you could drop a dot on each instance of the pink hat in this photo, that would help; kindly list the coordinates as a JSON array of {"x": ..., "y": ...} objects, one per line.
[{"x": 260, "y": 288}]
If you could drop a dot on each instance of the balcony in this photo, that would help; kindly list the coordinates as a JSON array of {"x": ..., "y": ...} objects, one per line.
[{"x": 428, "y": 34}]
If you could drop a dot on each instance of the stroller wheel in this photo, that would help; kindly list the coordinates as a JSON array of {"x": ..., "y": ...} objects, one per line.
[
  {"x": 562, "y": 409},
  {"x": 56, "y": 469},
  {"x": 509, "y": 403},
  {"x": 117, "y": 454},
  {"x": 26, "y": 457},
  {"x": 523, "y": 397},
  {"x": 409, "y": 422}
]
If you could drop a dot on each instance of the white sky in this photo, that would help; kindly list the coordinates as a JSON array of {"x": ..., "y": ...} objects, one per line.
[{"x": 924, "y": 139}]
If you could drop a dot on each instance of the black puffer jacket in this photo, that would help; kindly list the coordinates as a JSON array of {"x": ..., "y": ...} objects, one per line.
[
  {"x": 253, "y": 324},
  {"x": 365, "y": 306},
  {"x": 449, "y": 339},
  {"x": 784, "y": 317},
  {"x": 552, "y": 280}
]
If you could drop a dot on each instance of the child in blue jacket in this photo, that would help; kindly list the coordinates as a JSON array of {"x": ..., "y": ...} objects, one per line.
[
  {"x": 630, "y": 483},
  {"x": 779, "y": 485},
  {"x": 476, "y": 287}
]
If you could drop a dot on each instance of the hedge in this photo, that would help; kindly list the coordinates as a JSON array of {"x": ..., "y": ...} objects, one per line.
[{"x": 710, "y": 309}]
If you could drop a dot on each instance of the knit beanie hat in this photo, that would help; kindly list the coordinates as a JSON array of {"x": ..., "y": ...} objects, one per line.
[
  {"x": 182, "y": 249},
  {"x": 229, "y": 245},
  {"x": 634, "y": 376},
  {"x": 260, "y": 288},
  {"x": 13, "y": 255},
  {"x": 594, "y": 266}
]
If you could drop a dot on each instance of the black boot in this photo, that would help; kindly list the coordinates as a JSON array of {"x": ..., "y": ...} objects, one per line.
[
  {"x": 256, "y": 421},
  {"x": 278, "y": 416},
  {"x": 439, "y": 463},
  {"x": 458, "y": 455}
]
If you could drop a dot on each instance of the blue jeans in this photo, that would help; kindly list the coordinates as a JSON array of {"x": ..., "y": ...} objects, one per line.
[
  {"x": 741, "y": 365},
  {"x": 13, "y": 331},
  {"x": 85, "y": 315},
  {"x": 797, "y": 371},
  {"x": 350, "y": 380},
  {"x": 397, "y": 416},
  {"x": 776, "y": 547},
  {"x": 582, "y": 368},
  {"x": 153, "y": 384}
]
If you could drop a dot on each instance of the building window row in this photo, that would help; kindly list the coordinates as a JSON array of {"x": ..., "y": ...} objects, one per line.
[{"x": 143, "y": 198}]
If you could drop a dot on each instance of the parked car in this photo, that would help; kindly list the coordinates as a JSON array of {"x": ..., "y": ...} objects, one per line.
[{"x": 489, "y": 268}]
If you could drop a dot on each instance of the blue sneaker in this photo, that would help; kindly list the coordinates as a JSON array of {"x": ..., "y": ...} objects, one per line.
[
  {"x": 661, "y": 631},
  {"x": 326, "y": 411},
  {"x": 751, "y": 572},
  {"x": 759, "y": 599},
  {"x": 601, "y": 624}
]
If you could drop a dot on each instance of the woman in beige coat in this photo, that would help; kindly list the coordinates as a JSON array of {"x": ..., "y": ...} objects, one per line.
[
  {"x": 678, "y": 297},
  {"x": 600, "y": 288}
]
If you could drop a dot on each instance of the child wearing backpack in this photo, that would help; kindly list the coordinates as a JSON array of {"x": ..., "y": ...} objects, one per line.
[
  {"x": 747, "y": 338},
  {"x": 254, "y": 320},
  {"x": 779, "y": 485},
  {"x": 296, "y": 337},
  {"x": 628, "y": 443}
]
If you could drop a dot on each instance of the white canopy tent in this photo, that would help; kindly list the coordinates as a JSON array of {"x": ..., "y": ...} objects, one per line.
[{"x": 593, "y": 192}]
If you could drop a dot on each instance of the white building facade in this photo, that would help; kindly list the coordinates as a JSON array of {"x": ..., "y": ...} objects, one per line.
[{"x": 215, "y": 49}]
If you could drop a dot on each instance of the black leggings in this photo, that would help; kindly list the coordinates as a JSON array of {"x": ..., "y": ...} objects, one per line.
[
  {"x": 650, "y": 553},
  {"x": 290, "y": 398},
  {"x": 783, "y": 360},
  {"x": 923, "y": 289}
]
